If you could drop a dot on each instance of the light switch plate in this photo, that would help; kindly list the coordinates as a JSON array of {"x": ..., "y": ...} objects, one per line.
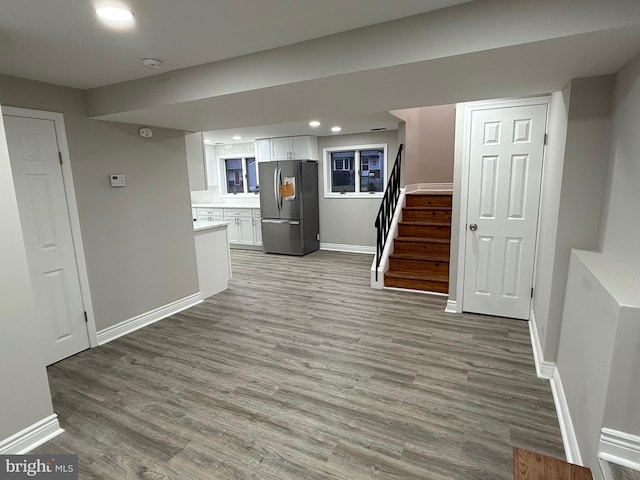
[{"x": 117, "y": 180}]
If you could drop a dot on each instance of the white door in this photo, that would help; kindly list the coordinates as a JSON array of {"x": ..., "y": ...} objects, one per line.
[
  {"x": 40, "y": 190},
  {"x": 505, "y": 169}
]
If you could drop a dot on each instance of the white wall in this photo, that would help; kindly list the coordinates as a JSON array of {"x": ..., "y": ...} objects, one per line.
[
  {"x": 138, "y": 240},
  {"x": 25, "y": 398},
  {"x": 429, "y": 133},
  {"x": 621, "y": 234},
  {"x": 195, "y": 161},
  {"x": 350, "y": 221},
  {"x": 582, "y": 195},
  {"x": 549, "y": 209}
]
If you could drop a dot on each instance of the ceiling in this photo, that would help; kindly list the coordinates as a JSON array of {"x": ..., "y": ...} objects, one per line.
[{"x": 62, "y": 42}]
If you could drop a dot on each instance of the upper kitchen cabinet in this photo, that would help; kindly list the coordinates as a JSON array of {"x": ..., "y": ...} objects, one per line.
[{"x": 287, "y": 148}]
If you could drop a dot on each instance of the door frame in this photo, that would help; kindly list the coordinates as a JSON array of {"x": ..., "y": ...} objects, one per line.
[
  {"x": 72, "y": 208},
  {"x": 462, "y": 161}
]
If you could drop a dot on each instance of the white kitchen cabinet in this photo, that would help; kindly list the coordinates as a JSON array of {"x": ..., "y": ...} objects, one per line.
[
  {"x": 288, "y": 148},
  {"x": 210, "y": 214},
  {"x": 257, "y": 226},
  {"x": 240, "y": 225},
  {"x": 263, "y": 150}
]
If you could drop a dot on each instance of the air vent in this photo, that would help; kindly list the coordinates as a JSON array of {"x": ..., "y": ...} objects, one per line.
[{"x": 377, "y": 129}]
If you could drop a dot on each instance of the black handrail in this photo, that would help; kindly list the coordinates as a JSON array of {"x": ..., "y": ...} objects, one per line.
[{"x": 387, "y": 207}]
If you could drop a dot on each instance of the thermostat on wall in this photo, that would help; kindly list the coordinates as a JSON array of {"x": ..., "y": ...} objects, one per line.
[{"x": 117, "y": 180}]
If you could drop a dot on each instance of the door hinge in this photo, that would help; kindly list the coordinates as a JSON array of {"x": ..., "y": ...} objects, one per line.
[
  {"x": 86, "y": 319},
  {"x": 60, "y": 157},
  {"x": 531, "y": 292},
  {"x": 546, "y": 138}
]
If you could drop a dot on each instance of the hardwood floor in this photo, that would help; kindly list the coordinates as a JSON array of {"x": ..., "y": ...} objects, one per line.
[{"x": 301, "y": 371}]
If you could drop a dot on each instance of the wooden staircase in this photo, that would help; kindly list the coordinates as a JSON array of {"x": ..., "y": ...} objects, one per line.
[{"x": 420, "y": 260}]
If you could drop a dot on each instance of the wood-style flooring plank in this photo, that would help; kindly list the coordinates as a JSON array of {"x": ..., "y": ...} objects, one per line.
[{"x": 300, "y": 371}]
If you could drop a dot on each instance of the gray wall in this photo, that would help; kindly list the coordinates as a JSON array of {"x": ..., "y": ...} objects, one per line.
[
  {"x": 138, "y": 240},
  {"x": 582, "y": 191},
  {"x": 429, "y": 133},
  {"x": 549, "y": 209},
  {"x": 25, "y": 397},
  {"x": 350, "y": 221}
]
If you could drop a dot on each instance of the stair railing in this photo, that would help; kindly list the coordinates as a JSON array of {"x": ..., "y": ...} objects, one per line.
[{"x": 387, "y": 208}]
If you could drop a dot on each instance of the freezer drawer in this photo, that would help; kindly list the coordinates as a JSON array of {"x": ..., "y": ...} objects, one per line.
[{"x": 285, "y": 237}]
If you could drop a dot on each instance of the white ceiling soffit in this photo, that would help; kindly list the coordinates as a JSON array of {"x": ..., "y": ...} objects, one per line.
[
  {"x": 534, "y": 68},
  {"x": 348, "y": 123},
  {"x": 62, "y": 42}
]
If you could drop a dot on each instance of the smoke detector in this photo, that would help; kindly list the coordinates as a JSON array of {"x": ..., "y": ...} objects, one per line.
[{"x": 151, "y": 62}]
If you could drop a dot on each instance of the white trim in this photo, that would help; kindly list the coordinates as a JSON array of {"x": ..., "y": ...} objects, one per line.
[
  {"x": 429, "y": 188},
  {"x": 326, "y": 169},
  {"x": 461, "y": 154},
  {"x": 424, "y": 292},
  {"x": 31, "y": 437},
  {"x": 342, "y": 247},
  {"x": 544, "y": 369},
  {"x": 139, "y": 321},
  {"x": 569, "y": 440},
  {"x": 618, "y": 447},
  {"x": 452, "y": 307},
  {"x": 72, "y": 206},
  {"x": 388, "y": 247}
]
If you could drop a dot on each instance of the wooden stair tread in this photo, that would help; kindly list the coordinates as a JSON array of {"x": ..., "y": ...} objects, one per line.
[
  {"x": 413, "y": 276},
  {"x": 418, "y": 223},
  {"x": 434, "y": 207},
  {"x": 426, "y": 258},
  {"x": 422, "y": 239},
  {"x": 529, "y": 465}
]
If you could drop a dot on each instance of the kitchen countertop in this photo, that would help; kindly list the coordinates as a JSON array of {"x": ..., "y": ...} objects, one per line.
[
  {"x": 230, "y": 203},
  {"x": 202, "y": 225}
]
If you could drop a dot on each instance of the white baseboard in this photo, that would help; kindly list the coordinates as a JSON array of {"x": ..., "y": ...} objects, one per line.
[
  {"x": 430, "y": 188},
  {"x": 569, "y": 440},
  {"x": 135, "y": 323},
  {"x": 31, "y": 437},
  {"x": 341, "y": 247},
  {"x": 452, "y": 307},
  {"x": 620, "y": 448},
  {"x": 544, "y": 369}
]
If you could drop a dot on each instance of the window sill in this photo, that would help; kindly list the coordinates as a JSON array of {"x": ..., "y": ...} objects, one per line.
[{"x": 354, "y": 195}]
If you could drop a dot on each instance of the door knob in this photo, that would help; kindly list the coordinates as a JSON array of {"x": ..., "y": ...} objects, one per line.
[{"x": 473, "y": 227}]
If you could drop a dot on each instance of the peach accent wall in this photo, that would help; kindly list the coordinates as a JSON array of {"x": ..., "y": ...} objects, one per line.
[{"x": 429, "y": 143}]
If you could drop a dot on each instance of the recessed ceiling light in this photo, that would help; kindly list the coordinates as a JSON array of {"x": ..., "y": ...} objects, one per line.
[
  {"x": 336, "y": 129},
  {"x": 115, "y": 14},
  {"x": 314, "y": 123},
  {"x": 237, "y": 137}
]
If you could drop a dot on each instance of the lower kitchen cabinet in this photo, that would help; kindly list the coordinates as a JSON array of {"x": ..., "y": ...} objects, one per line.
[
  {"x": 240, "y": 225},
  {"x": 244, "y": 223},
  {"x": 257, "y": 227}
]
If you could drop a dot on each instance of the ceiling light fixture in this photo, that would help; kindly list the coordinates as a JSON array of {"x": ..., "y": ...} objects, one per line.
[
  {"x": 336, "y": 129},
  {"x": 314, "y": 123},
  {"x": 115, "y": 14},
  {"x": 237, "y": 137}
]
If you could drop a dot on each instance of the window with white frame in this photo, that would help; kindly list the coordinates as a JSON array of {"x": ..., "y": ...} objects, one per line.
[
  {"x": 240, "y": 175},
  {"x": 355, "y": 171}
]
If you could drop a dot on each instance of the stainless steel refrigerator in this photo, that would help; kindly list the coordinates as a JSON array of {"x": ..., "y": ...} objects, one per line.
[{"x": 289, "y": 206}]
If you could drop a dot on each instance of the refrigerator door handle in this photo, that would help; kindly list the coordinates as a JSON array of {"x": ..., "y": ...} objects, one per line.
[
  {"x": 275, "y": 221},
  {"x": 276, "y": 190}
]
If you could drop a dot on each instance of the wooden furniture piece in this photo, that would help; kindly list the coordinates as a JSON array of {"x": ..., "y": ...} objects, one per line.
[{"x": 528, "y": 465}]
